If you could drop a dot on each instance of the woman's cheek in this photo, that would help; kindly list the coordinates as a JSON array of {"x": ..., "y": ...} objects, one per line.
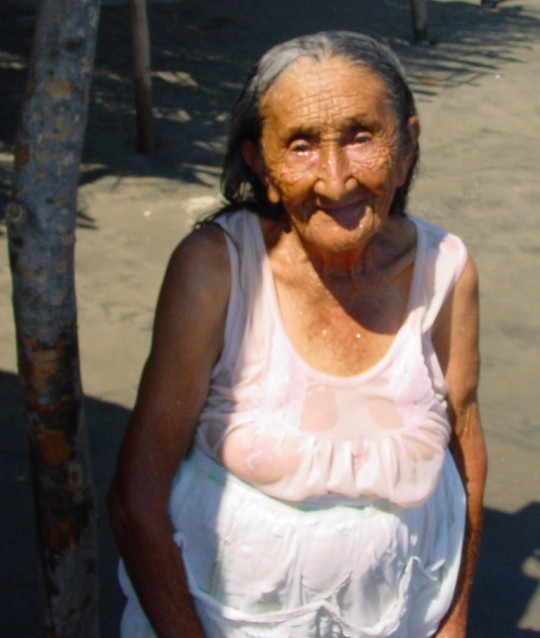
[
  {"x": 293, "y": 181},
  {"x": 372, "y": 157},
  {"x": 372, "y": 170}
]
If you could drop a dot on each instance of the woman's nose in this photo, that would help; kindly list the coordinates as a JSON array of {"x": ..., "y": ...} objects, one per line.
[{"x": 334, "y": 177}]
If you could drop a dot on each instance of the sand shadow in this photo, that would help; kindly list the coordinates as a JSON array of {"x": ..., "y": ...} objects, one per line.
[
  {"x": 503, "y": 590},
  {"x": 19, "y": 583},
  {"x": 202, "y": 51}
]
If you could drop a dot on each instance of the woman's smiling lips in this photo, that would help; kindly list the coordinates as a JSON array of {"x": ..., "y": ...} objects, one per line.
[{"x": 347, "y": 216}]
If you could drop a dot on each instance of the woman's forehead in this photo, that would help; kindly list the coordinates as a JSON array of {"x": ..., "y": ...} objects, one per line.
[{"x": 333, "y": 88}]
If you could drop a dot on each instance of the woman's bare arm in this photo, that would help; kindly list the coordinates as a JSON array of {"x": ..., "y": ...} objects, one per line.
[
  {"x": 456, "y": 343},
  {"x": 187, "y": 341}
]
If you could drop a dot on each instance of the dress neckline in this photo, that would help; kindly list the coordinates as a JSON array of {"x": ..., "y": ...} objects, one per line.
[{"x": 314, "y": 373}]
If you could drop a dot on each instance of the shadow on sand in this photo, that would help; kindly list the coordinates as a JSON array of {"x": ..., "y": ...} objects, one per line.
[
  {"x": 501, "y": 593},
  {"x": 19, "y": 603},
  {"x": 202, "y": 51}
]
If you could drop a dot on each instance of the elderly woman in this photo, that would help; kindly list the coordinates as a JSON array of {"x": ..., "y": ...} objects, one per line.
[{"x": 305, "y": 457}]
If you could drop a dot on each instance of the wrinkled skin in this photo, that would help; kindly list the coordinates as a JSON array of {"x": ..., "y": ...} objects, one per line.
[{"x": 332, "y": 154}]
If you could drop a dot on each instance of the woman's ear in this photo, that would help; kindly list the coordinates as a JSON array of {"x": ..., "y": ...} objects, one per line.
[
  {"x": 252, "y": 157},
  {"x": 413, "y": 126},
  {"x": 410, "y": 148}
]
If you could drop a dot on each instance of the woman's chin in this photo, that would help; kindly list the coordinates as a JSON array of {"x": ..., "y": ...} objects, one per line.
[{"x": 345, "y": 228}]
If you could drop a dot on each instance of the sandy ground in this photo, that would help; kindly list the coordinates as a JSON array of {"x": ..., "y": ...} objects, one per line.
[{"x": 479, "y": 101}]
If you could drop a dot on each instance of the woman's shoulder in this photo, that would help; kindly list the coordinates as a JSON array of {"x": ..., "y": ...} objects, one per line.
[
  {"x": 207, "y": 262},
  {"x": 205, "y": 244},
  {"x": 443, "y": 259},
  {"x": 433, "y": 230},
  {"x": 439, "y": 245},
  {"x": 200, "y": 262},
  {"x": 192, "y": 304}
]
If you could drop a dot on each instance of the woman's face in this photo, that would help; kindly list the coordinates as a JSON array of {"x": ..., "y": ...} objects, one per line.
[{"x": 331, "y": 150}]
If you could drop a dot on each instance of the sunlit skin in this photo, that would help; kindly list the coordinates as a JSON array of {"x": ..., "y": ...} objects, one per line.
[{"x": 333, "y": 157}]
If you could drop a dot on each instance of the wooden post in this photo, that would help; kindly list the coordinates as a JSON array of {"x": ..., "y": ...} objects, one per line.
[
  {"x": 141, "y": 74},
  {"x": 419, "y": 20},
  {"x": 41, "y": 221}
]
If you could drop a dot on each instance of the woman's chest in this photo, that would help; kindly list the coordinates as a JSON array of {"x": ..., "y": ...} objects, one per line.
[{"x": 344, "y": 330}]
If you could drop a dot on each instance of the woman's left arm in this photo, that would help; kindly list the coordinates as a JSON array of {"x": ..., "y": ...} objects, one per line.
[{"x": 455, "y": 339}]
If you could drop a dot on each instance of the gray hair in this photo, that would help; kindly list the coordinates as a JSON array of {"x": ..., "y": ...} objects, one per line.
[{"x": 239, "y": 184}]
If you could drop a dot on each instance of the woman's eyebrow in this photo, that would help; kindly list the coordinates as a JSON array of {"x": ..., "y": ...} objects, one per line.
[
  {"x": 294, "y": 131},
  {"x": 358, "y": 121},
  {"x": 302, "y": 130}
]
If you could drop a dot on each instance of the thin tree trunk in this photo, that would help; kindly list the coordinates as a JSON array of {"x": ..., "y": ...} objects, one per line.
[
  {"x": 41, "y": 226},
  {"x": 140, "y": 36}
]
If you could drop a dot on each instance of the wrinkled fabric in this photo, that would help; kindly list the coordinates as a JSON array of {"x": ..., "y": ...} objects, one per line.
[{"x": 259, "y": 567}]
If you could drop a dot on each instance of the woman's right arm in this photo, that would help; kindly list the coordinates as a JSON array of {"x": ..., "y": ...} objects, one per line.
[{"x": 187, "y": 341}]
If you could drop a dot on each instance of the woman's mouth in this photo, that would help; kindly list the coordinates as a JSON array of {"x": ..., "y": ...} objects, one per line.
[{"x": 347, "y": 216}]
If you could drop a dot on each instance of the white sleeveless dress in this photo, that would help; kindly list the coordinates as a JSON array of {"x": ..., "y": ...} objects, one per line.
[{"x": 348, "y": 518}]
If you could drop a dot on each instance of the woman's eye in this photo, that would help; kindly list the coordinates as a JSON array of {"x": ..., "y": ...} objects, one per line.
[
  {"x": 362, "y": 138},
  {"x": 300, "y": 147}
]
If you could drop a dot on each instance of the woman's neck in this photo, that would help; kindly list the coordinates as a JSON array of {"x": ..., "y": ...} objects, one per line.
[{"x": 387, "y": 251}]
